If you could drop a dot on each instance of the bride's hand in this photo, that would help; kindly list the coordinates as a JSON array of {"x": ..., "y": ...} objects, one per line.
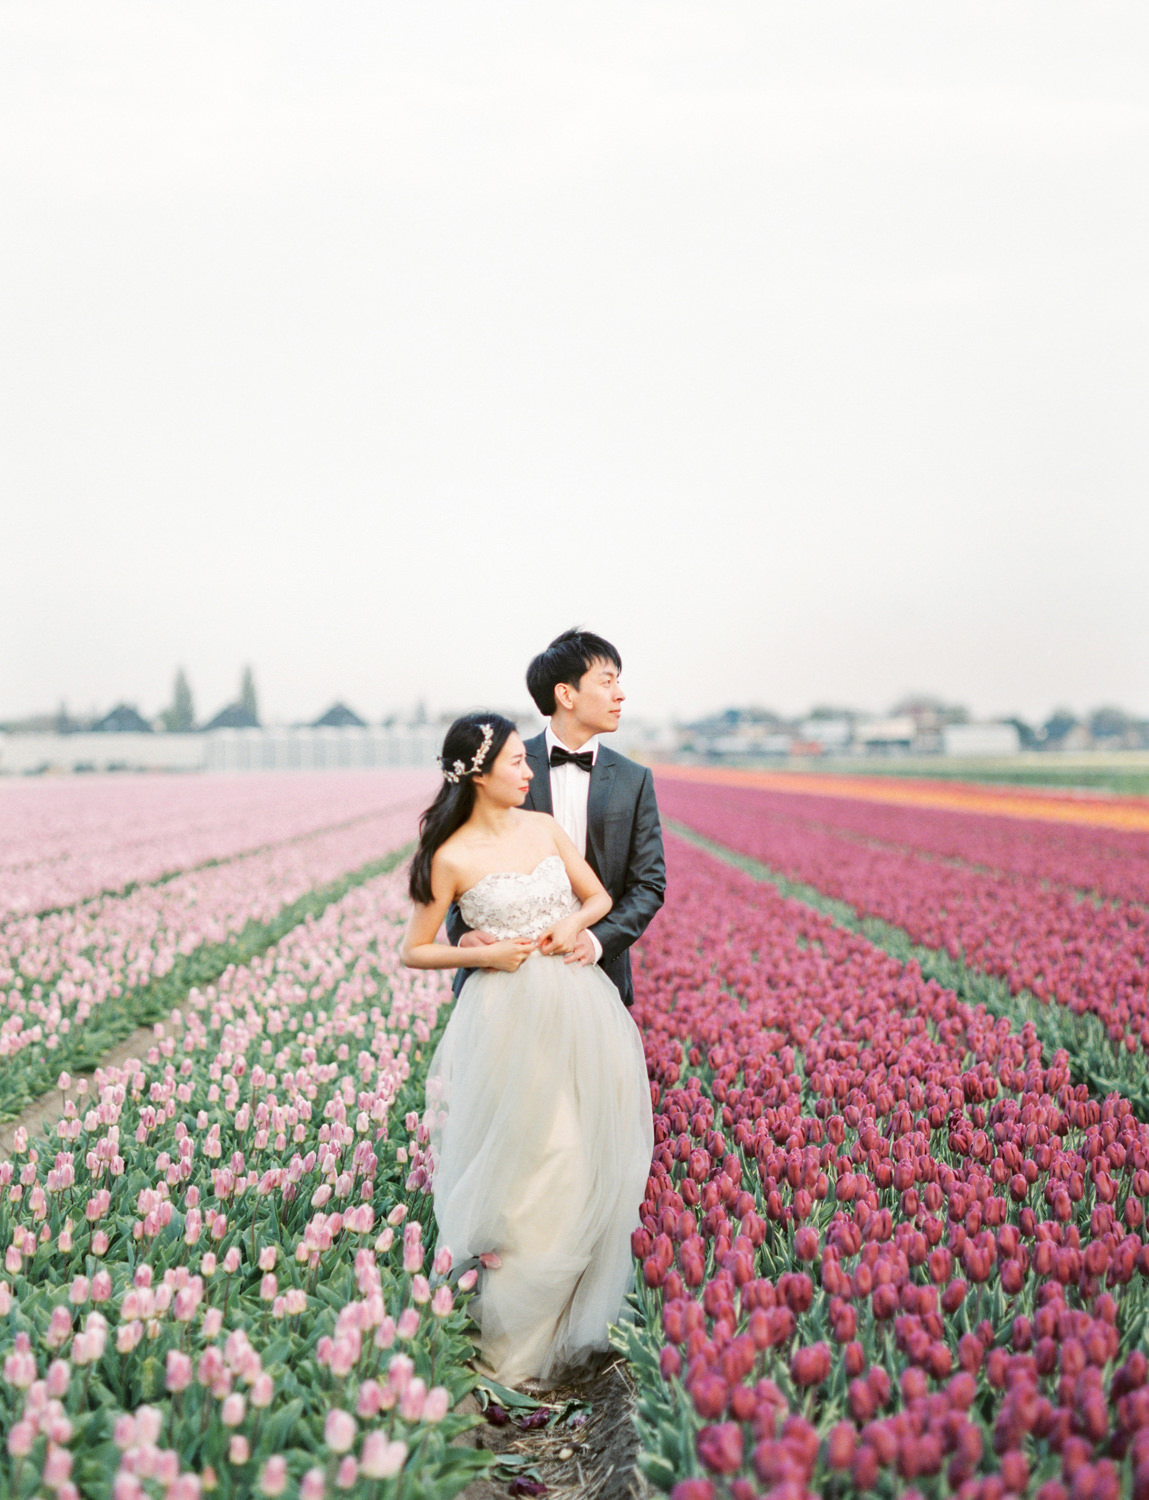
[
  {"x": 561, "y": 937},
  {"x": 477, "y": 939},
  {"x": 508, "y": 955}
]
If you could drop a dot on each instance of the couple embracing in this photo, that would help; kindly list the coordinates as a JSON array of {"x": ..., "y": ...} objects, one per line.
[{"x": 545, "y": 861}]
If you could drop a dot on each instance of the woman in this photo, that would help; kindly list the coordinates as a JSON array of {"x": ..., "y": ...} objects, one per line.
[{"x": 538, "y": 1098}]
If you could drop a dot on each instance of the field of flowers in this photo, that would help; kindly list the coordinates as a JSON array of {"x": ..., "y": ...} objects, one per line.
[
  {"x": 1110, "y": 862},
  {"x": 214, "y": 1276},
  {"x": 67, "y": 841},
  {"x": 202, "y": 1292},
  {"x": 885, "y": 1241},
  {"x": 891, "y": 1242},
  {"x": 1085, "y": 957},
  {"x": 82, "y": 977}
]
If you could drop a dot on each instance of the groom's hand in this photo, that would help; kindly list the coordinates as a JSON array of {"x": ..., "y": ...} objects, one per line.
[
  {"x": 477, "y": 939},
  {"x": 583, "y": 951}
]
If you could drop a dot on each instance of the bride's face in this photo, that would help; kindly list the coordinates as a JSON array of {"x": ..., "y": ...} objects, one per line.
[{"x": 509, "y": 778}]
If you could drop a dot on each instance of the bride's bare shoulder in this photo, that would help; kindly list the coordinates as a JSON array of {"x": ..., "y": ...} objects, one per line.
[
  {"x": 536, "y": 819},
  {"x": 450, "y": 858},
  {"x": 539, "y": 825}
]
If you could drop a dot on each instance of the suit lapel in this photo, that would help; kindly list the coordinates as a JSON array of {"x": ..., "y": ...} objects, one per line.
[
  {"x": 601, "y": 782},
  {"x": 539, "y": 792}
]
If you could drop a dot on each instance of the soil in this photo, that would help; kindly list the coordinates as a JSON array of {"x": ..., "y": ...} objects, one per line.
[{"x": 589, "y": 1449}]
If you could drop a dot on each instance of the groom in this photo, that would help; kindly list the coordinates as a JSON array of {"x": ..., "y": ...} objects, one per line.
[{"x": 604, "y": 802}]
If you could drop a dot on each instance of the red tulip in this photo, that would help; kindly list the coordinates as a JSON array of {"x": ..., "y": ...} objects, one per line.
[
  {"x": 810, "y": 1365},
  {"x": 720, "y": 1447}
]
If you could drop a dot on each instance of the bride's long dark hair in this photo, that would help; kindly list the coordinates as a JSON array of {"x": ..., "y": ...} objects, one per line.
[{"x": 456, "y": 799}]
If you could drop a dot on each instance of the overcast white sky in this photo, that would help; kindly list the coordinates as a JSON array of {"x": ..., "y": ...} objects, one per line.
[{"x": 801, "y": 350}]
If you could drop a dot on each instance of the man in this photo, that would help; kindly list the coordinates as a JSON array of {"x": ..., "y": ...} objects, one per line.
[{"x": 603, "y": 802}]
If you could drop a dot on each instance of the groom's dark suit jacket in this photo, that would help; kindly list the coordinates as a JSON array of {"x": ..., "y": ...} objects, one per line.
[{"x": 623, "y": 848}]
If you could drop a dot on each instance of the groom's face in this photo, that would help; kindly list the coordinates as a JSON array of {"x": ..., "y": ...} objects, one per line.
[{"x": 597, "y": 700}]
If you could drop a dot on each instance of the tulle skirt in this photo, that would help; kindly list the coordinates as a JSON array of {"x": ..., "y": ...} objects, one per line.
[{"x": 542, "y": 1136}]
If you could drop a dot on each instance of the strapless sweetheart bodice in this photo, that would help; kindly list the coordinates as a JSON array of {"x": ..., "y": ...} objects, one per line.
[{"x": 511, "y": 903}]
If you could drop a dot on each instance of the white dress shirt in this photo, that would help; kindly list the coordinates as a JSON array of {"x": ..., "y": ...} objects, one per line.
[{"x": 570, "y": 789}]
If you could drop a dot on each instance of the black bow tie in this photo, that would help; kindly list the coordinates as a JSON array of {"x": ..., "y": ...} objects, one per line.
[{"x": 584, "y": 759}]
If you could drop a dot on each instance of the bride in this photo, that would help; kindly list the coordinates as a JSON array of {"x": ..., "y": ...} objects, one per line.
[{"x": 538, "y": 1098}]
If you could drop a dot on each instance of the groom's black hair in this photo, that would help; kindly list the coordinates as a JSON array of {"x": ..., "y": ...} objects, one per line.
[{"x": 565, "y": 660}]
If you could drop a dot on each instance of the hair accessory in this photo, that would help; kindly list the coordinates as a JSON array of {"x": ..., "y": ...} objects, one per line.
[{"x": 458, "y": 769}]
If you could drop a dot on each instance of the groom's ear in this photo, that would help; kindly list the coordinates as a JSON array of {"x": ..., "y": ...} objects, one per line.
[{"x": 564, "y": 695}]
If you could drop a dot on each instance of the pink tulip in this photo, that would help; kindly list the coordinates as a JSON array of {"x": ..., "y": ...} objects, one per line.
[
  {"x": 311, "y": 1486},
  {"x": 400, "y": 1372},
  {"x": 21, "y": 1436},
  {"x": 437, "y": 1404},
  {"x": 339, "y": 1430},
  {"x": 413, "y": 1399},
  {"x": 441, "y": 1265},
  {"x": 232, "y": 1412},
  {"x": 59, "y": 1328},
  {"x": 57, "y": 1467},
  {"x": 179, "y": 1370},
  {"x": 149, "y": 1424},
  {"x": 58, "y": 1379},
  {"x": 442, "y": 1302},
  {"x": 381, "y": 1458},
  {"x": 273, "y": 1476}
]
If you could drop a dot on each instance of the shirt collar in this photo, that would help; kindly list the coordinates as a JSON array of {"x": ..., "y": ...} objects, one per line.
[{"x": 552, "y": 740}]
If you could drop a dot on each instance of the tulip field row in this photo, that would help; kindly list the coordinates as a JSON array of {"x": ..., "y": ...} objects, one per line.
[
  {"x": 1113, "y": 863},
  {"x": 887, "y": 1246},
  {"x": 212, "y": 1281},
  {"x": 69, "y": 840},
  {"x": 79, "y": 979},
  {"x": 1086, "y": 960}
]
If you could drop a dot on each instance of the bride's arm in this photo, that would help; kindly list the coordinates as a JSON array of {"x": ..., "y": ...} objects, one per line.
[
  {"x": 587, "y": 887},
  {"x": 421, "y": 951}
]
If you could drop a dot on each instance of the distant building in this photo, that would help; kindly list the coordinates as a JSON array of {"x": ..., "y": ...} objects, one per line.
[
  {"x": 1078, "y": 738},
  {"x": 826, "y": 734},
  {"x": 234, "y": 716},
  {"x": 879, "y": 736},
  {"x": 981, "y": 739},
  {"x": 737, "y": 734},
  {"x": 339, "y": 716},
  {"x": 123, "y": 719}
]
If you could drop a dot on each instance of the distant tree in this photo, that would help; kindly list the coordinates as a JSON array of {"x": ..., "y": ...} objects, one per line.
[
  {"x": 247, "y": 698},
  {"x": 64, "y": 723},
  {"x": 1058, "y": 725},
  {"x": 1109, "y": 723},
  {"x": 180, "y": 717},
  {"x": 1025, "y": 732}
]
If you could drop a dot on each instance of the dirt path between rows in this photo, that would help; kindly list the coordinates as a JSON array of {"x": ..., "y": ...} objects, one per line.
[
  {"x": 588, "y": 1452},
  {"x": 42, "y": 1114}
]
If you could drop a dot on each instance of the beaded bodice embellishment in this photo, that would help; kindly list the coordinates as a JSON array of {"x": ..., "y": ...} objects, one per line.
[{"x": 512, "y": 904}]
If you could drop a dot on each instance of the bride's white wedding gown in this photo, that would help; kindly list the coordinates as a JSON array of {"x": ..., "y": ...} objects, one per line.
[{"x": 542, "y": 1135}]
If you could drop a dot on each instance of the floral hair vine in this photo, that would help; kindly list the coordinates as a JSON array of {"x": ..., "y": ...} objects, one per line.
[{"x": 458, "y": 769}]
